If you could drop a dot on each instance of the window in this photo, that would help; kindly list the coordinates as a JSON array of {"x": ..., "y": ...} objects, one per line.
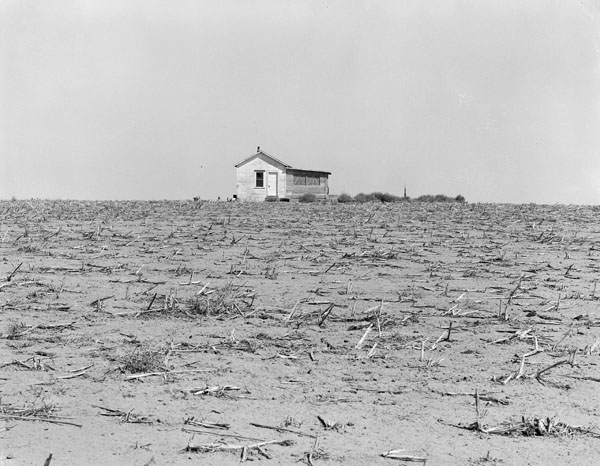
[
  {"x": 304, "y": 180},
  {"x": 260, "y": 179},
  {"x": 313, "y": 180}
]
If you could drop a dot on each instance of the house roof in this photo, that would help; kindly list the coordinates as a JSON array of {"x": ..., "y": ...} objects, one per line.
[
  {"x": 308, "y": 171},
  {"x": 287, "y": 166},
  {"x": 266, "y": 155}
]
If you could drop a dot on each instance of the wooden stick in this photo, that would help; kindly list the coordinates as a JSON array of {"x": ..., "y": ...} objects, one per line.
[
  {"x": 361, "y": 341},
  {"x": 449, "y": 331},
  {"x": 477, "y": 413},
  {"x": 282, "y": 429},
  {"x": 372, "y": 351},
  {"x": 552, "y": 366},
  {"x": 326, "y": 314},
  {"x": 152, "y": 301},
  {"x": 568, "y": 332},
  {"x": 43, "y": 419},
  {"x": 72, "y": 376},
  {"x": 293, "y": 310},
  {"x": 164, "y": 373},
  {"x": 220, "y": 434},
  {"x": 398, "y": 455},
  {"x": 98, "y": 301},
  {"x": 218, "y": 446},
  {"x": 14, "y": 272},
  {"x": 314, "y": 448},
  {"x": 330, "y": 267}
]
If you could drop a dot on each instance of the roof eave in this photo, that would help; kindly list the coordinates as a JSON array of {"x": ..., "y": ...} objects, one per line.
[
  {"x": 310, "y": 171},
  {"x": 265, "y": 154}
]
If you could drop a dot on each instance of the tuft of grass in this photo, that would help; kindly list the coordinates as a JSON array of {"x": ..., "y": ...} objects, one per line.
[
  {"x": 222, "y": 301},
  {"x": 183, "y": 270},
  {"x": 37, "y": 408},
  {"x": 308, "y": 197},
  {"x": 143, "y": 359},
  {"x": 29, "y": 248},
  {"x": 15, "y": 330}
]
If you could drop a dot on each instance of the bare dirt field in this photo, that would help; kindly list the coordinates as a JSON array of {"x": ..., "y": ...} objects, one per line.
[{"x": 175, "y": 333}]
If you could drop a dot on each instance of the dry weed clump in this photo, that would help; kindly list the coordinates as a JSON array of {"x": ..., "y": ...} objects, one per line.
[
  {"x": 38, "y": 410},
  {"x": 525, "y": 426},
  {"x": 226, "y": 300},
  {"x": 15, "y": 330},
  {"x": 143, "y": 359},
  {"x": 535, "y": 427},
  {"x": 41, "y": 409}
]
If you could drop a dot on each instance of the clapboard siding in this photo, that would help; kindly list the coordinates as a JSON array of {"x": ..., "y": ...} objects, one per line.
[
  {"x": 246, "y": 178},
  {"x": 295, "y": 191}
]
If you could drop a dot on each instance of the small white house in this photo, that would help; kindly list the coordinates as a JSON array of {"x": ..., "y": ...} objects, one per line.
[{"x": 263, "y": 177}]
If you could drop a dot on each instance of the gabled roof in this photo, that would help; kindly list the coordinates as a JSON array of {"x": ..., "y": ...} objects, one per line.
[{"x": 266, "y": 155}]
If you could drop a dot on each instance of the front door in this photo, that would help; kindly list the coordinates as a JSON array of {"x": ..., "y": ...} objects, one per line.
[{"x": 272, "y": 184}]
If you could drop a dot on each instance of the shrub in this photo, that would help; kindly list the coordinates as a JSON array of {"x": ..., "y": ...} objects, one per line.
[
  {"x": 308, "y": 197},
  {"x": 345, "y": 198},
  {"x": 439, "y": 198},
  {"x": 142, "y": 359},
  {"x": 425, "y": 198},
  {"x": 385, "y": 197},
  {"x": 362, "y": 197},
  {"x": 460, "y": 198},
  {"x": 377, "y": 197}
]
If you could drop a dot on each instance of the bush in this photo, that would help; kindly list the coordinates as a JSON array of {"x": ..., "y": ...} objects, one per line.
[
  {"x": 345, "y": 198},
  {"x": 362, "y": 197},
  {"x": 439, "y": 198},
  {"x": 425, "y": 198},
  {"x": 377, "y": 197},
  {"x": 308, "y": 197},
  {"x": 385, "y": 197}
]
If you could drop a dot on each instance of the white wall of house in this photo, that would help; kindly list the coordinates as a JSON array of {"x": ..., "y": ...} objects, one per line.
[{"x": 246, "y": 188}]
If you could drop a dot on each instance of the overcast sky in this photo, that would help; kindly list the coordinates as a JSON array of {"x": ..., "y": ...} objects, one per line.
[{"x": 110, "y": 99}]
